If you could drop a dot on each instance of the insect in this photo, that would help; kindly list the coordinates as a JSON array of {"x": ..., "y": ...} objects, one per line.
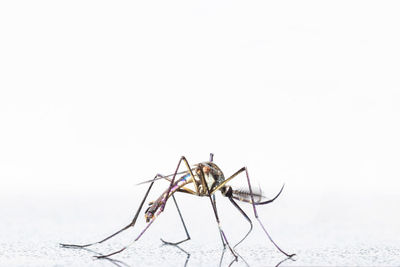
[{"x": 206, "y": 178}]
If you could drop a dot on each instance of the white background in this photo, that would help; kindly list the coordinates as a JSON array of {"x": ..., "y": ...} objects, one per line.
[{"x": 96, "y": 96}]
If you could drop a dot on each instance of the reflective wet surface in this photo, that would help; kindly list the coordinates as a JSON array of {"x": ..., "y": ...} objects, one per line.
[{"x": 32, "y": 228}]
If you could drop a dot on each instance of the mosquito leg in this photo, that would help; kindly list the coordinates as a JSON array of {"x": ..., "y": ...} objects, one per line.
[
  {"x": 230, "y": 264},
  {"x": 247, "y": 218},
  {"x": 244, "y": 260},
  {"x": 184, "y": 226},
  {"x": 121, "y": 230},
  {"x": 176, "y": 204},
  {"x": 220, "y": 233},
  {"x": 271, "y": 200},
  {"x": 244, "y": 169},
  {"x": 216, "y": 216},
  {"x": 173, "y": 178},
  {"x": 159, "y": 211},
  {"x": 136, "y": 239},
  {"x": 220, "y": 229},
  {"x": 258, "y": 219},
  {"x": 215, "y": 203}
]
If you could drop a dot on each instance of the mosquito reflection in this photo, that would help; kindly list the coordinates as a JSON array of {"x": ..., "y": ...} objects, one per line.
[
  {"x": 118, "y": 263},
  {"x": 181, "y": 249},
  {"x": 284, "y": 260},
  {"x": 234, "y": 259}
]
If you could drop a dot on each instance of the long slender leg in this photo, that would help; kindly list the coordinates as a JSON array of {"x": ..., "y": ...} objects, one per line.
[
  {"x": 173, "y": 179},
  {"x": 247, "y": 218},
  {"x": 187, "y": 191},
  {"x": 217, "y": 218},
  {"x": 222, "y": 257},
  {"x": 159, "y": 211},
  {"x": 227, "y": 180},
  {"x": 244, "y": 169},
  {"x": 184, "y": 226},
  {"x": 204, "y": 183},
  {"x": 121, "y": 230},
  {"x": 220, "y": 233},
  {"x": 176, "y": 204},
  {"x": 136, "y": 239},
  {"x": 243, "y": 260},
  {"x": 215, "y": 203},
  {"x": 220, "y": 229},
  {"x": 258, "y": 219}
]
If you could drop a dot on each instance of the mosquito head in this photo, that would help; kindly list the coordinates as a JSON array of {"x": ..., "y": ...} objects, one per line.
[{"x": 204, "y": 168}]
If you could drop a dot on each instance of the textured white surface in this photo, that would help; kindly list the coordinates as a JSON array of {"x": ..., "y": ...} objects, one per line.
[{"x": 32, "y": 228}]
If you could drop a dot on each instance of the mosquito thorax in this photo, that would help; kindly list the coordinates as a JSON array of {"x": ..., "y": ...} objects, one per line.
[{"x": 211, "y": 174}]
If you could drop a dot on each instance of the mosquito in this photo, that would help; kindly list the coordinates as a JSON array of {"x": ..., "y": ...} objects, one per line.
[{"x": 206, "y": 178}]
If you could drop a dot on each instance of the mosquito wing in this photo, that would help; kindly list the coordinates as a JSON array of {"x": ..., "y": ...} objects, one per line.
[{"x": 164, "y": 177}]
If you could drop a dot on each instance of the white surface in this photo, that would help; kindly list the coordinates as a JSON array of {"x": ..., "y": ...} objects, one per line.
[
  {"x": 97, "y": 96},
  {"x": 339, "y": 235}
]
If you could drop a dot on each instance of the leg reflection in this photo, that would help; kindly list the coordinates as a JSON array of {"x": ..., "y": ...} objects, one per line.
[
  {"x": 234, "y": 259},
  {"x": 286, "y": 259},
  {"x": 181, "y": 249},
  {"x": 115, "y": 262}
]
